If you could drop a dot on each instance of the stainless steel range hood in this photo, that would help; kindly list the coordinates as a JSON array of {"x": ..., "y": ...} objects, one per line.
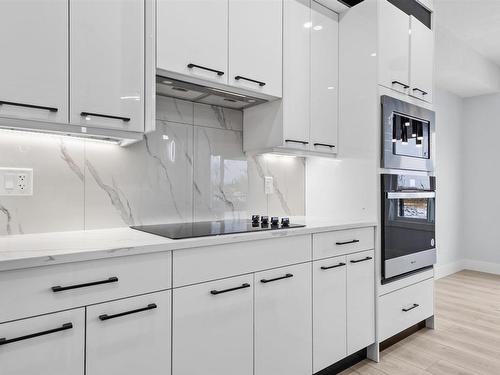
[{"x": 201, "y": 93}]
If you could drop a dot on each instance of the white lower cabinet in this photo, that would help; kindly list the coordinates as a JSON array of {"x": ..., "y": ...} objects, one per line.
[
  {"x": 50, "y": 344},
  {"x": 283, "y": 331},
  {"x": 360, "y": 301},
  {"x": 405, "y": 307},
  {"x": 213, "y": 328},
  {"x": 329, "y": 311},
  {"x": 130, "y": 336}
]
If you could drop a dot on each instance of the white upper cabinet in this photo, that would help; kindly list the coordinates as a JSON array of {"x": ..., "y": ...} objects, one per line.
[
  {"x": 324, "y": 78},
  {"x": 255, "y": 53},
  {"x": 34, "y": 62},
  {"x": 422, "y": 60},
  {"x": 283, "y": 331},
  {"x": 296, "y": 73},
  {"x": 192, "y": 38},
  {"x": 107, "y": 64},
  {"x": 394, "y": 47}
]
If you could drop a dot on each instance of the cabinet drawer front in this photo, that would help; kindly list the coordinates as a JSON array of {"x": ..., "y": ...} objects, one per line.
[
  {"x": 214, "y": 262},
  {"x": 47, "y": 345},
  {"x": 129, "y": 336},
  {"x": 405, "y": 307},
  {"x": 342, "y": 242},
  {"x": 41, "y": 290},
  {"x": 213, "y": 328}
]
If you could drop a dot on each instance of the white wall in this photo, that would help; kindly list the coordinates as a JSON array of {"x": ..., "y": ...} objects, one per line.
[
  {"x": 449, "y": 201},
  {"x": 481, "y": 183}
]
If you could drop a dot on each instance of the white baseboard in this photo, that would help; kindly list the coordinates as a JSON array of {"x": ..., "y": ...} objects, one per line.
[
  {"x": 448, "y": 269},
  {"x": 480, "y": 266}
]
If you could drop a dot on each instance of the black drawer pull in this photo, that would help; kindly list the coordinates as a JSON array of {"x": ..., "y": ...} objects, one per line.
[
  {"x": 219, "y": 73},
  {"x": 243, "y": 286},
  {"x": 405, "y": 86},
  {"x": 346, "y": 242},
  {"x": 361, "y": 260},
  {"x": 124, "y": 119},
  {"x": 415, "y": 305},
  {"x": 287, "y": 276},
  {"x": 151, "y": 306},
  {"x": 323, "y": 144},
  {"x": 58, "y": 288},
  {"x": 422, "y": 91},
  {"x": 50, "y": 109},
  {"x": 250, "y": 80},
  {"x": 335, "y": 266},
  {"x": 294, "y": 141},
  {"x": 64, "y": 327}
]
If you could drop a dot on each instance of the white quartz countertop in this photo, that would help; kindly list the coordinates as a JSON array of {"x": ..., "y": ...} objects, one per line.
[{"x": 34, "y": 250}]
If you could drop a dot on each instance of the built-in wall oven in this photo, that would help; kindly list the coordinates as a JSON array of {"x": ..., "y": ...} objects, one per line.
[
  {"x": 408, "y": 224},
  {"x": 407, "y": 136}
]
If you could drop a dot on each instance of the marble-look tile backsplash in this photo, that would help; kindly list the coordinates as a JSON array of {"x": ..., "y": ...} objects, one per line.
[{"x": 191, "y": 168}]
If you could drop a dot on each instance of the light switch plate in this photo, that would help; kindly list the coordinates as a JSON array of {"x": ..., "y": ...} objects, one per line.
[{"x": 16, "y": 181}]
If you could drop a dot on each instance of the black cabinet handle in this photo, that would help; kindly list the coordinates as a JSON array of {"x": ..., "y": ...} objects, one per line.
[
  {"x": 51, "y": 109},
  {"x": 415, "y": 305},
  {"x": 324, "y": 144},
  {"x": 58, "y": 288},
  {"x": 151, "y": 306},
  {"x": 361, "y": 260},
  {"x": 243, "y": 286},
  {"x": 64, "y": 327},
  {"x": 124, "y": 119},
  {"x": 250, "y": 80},
  {"x": 422, "y": 91},
  {"x": 287, "y": 276},
  {"x": 405, "y": 86},
  {"x": 335, "y": 266},
  {"x": 295, "y": 141},
  {"x": 219, "y": 73},
  {"x": 346, "y": 242}
]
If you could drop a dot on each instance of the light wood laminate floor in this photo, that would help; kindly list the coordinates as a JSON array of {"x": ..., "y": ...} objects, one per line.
[{"x": 467, "y": 336}]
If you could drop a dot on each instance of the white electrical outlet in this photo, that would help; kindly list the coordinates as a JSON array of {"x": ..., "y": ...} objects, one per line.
[
  {"x": 269, "y": 185},
  {"x": 16, "y": 181}
]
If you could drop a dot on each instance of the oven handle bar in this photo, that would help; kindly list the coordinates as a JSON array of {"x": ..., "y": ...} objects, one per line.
[{"x": 411, "y": 195}]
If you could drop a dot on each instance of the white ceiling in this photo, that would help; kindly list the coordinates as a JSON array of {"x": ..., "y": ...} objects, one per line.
[
  {"x": 468, "y": 46},
  {"x": 475, "y": 22}
]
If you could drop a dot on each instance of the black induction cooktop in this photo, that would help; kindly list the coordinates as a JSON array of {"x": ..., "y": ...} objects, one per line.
[{"x": 211, "y": 228}]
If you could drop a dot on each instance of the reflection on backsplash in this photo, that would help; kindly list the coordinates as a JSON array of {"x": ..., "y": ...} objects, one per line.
[{"x": 191, "y": 168}]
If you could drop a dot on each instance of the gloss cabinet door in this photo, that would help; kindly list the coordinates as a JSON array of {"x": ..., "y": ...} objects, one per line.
[
  {"x": 129, "y": 336},
  {"x": 283, "y": 330},
  {"x": 213, "y": 328},
  {"x": 329, "y": 311},
  {"x": 51, "y": 344},
  {"x": 107, "y": 64},
  {"x": 34, "y": 62},
  {"x": 422, "y": 60},
  {"x": 360, "y": 301},
  {"x": 324, "y": 79},
  {"x": 192, "y": 38},
  {"x": 394, "y": 47},
  {"x": 255, "y": 45}
]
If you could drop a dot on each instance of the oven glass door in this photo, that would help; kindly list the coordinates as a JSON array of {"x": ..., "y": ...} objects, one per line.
[{"x": 409, "y": 223}]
